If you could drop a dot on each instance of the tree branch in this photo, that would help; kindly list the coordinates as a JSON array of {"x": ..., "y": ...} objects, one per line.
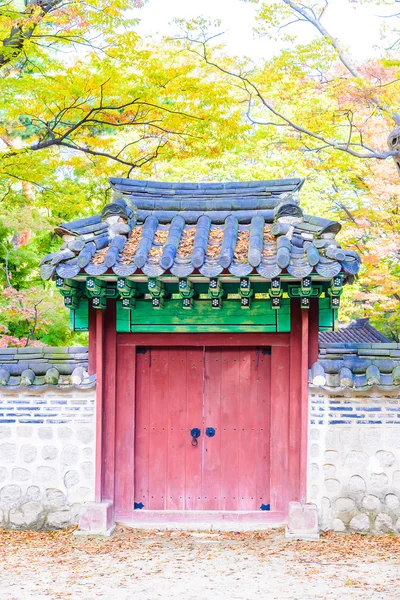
[
  {"x": 316, "y": 22},
  {"x": 34, "y": 13},
  {"x": 347, "y": 147},
  {"x": 344, "y": 58}
]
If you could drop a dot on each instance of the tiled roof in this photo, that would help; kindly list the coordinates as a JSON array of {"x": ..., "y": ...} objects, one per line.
[
  {"x": 356, "y": 366},
  {"x": 357, "y": 331},
  {"x": 242, "y": 228},
  {"x": 41, "y": 367}
]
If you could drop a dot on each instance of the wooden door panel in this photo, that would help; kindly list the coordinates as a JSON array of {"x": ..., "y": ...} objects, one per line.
[
  {"x": 236, "y": 460},
  {"x": 263, "y": 465},
  {"x": 177, "y": 437},
  {"x": 227, "y": 436},
  {"x": 158, "y": 411},
  {"x": 194, "y": 418},
  {"x": 211, "y": 447},
  {"x": 248, "y": 430},
  {"x": 142, "y": 420},
  {"x": 182, "y": 388}
]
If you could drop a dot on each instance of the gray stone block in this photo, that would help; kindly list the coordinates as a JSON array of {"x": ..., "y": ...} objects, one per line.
[
  {"x": 33, "y": 493},
  {"x": 55, "y": 498},
  {"x": 28, "y": 453},
  {"x": 379, "y": 482},
  {"x": 65, "y": 433},
  {"x": 46, "y": 475},
  {"x": 10, "y": 495},
  {"x": 60, "y": 519},
  {"x": 344, "y": 504},
  {"x": 45, "y": 433},
  {"x": 27, "y": 515},
  {"x": 371, "y": 503},
  {"x": 24, "y": 431},
  {"x": 8, "y": 453},
  {"x": 20, "y": 474},
  {"x": 3, "y": 475},
  {"x": 392, "y": 502},
  {"x": 85, "y": 435},
  {"x": 384, "y": 523},
  {"x": 356, "y": 484},
  {"x": 338, "y": 525},
  {"x": 87, "y": 470},
  {"x": 49, "y": 452},
  {"x": 71, "y": 478},
  {"x": 70, "y": 455},
  {"x": 360, "y": 523},
  {"x": 5, "y": 432},
  {"x": 385, "y": 459}
]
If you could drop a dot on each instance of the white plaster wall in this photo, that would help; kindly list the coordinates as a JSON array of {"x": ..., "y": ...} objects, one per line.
[
  {"x": 47, "y": 457},
  {"x": 354, "y": 461}
]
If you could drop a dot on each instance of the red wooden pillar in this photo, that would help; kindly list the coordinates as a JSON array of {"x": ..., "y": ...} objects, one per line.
[
  {"x": 113, "y": 359},
  {"x": 92, "y": 341},
  {"x": 102, "y": 327},
  {"x": 295, "y": 400},
  {"x": 109, "y": 401},
  {"x": 313, "y": 328},
  {"x": 304, "y": 405},
  {"x": 298, "y": 412},
  {"x": 99, "y": 333}
]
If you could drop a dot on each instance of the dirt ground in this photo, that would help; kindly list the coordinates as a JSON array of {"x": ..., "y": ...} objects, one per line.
[{"x": 156, "y": 565}]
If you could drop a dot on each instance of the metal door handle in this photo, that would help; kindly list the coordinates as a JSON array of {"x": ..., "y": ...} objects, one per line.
[
  {"x": 195, "y": 433},
  {"x": 210, "y": 432}
]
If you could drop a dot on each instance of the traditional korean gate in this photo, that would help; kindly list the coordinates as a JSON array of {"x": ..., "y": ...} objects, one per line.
[{"x": 225, "y": 394}]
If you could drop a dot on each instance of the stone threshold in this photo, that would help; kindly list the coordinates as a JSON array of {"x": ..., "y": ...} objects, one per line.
[{"x": 204, "y": 520}]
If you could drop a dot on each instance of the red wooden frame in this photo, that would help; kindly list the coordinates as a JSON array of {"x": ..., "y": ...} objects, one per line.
[
  {"x": 115, "y": 361},
  {"x": 205, "y": 339}
]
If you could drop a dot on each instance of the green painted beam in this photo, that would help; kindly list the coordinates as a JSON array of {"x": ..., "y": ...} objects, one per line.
[
  {"x": 202, "y": 317},
  {"x": 79, "y": 317}
]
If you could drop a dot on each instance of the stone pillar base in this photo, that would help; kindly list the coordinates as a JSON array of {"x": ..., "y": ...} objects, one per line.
[
  {"x": 96, "y": 518},
  {"x": 303, "y": 522}
]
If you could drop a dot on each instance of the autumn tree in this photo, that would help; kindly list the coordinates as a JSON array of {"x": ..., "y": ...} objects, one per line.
[
  {"x": 83, "y": 98},
  {"x": 319, "y": 113}
]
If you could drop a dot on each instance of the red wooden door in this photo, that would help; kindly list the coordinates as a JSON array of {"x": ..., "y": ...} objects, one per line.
[{"x": 226, "y": 389}]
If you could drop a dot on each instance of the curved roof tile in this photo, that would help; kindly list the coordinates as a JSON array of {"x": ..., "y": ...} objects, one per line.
[
  {"x": 175, "y": 228},
  {"x": 42, "y": 367}
]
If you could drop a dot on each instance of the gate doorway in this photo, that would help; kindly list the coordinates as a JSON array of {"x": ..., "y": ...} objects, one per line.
[{"x": 222, "y": 392}]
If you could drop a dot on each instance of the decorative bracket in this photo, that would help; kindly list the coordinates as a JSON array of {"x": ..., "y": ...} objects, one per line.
[
  {"x": 306, "y": 291},
  {"x": 186, "y": 292},
  {"x": 215, "y": 292},
  {"x": 96, "y": 289},
  {"x": 275, "y": 293},
  {"x": 128, "y": 292},
  {"x": 335, "y": 290},
  {"x": 71, "y": 291},
  {"x": 305, "y": 302},
  {"x": 306, "y": 286},
  {"x": 276, "y": 288},
  {"x": 157, "y": 292},
  {"x": 245, "y": 292}
]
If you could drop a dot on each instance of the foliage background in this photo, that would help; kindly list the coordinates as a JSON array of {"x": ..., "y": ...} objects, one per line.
[{"x": 83, "y": 97}]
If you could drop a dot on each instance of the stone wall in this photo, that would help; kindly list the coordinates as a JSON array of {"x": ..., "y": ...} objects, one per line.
[
  {"x": 47, "y": 456},
  {"x": 354, "y": 461}
]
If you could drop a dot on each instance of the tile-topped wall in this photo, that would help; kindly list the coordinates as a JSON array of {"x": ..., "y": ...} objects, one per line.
[
  {"x": 354, "y": 461},
  {"x": 47, "y": 456}
]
